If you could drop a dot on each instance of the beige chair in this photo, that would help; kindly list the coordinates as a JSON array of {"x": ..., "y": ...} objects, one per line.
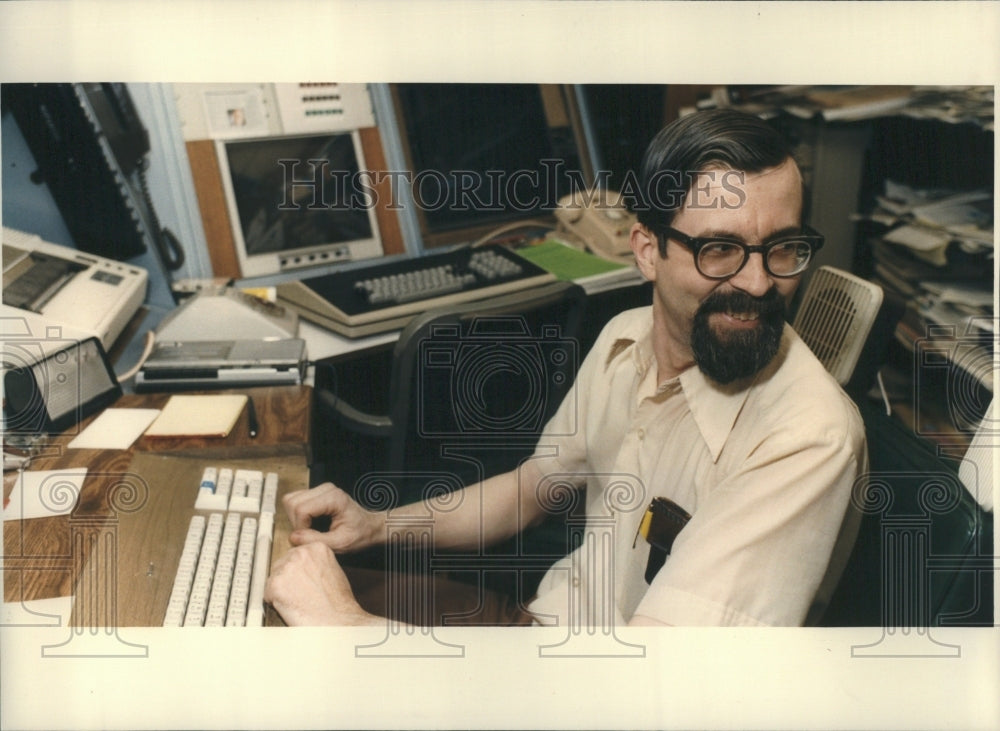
[{"x": 835, "y": 318}]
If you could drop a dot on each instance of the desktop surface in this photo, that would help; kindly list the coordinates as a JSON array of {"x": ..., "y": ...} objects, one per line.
[{"x": 117, "y": 551}]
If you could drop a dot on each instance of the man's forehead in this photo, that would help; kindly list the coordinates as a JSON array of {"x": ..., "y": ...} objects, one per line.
[
  {"x": 719, "y": 175},
  {"x": 724, "y": 188},
  {"x": 721, "y": 196}
]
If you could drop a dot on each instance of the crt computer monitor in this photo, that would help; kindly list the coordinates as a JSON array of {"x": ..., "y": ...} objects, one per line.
[
  {"x": 298, "y": 201},
  {"x": 486, "y": 155}
]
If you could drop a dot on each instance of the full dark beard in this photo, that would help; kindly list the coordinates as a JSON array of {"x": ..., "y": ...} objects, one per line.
[{"x": 736, "y": 354}]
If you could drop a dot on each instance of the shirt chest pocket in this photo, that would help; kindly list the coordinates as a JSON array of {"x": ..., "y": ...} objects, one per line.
[{"x": 674, "y": 462}]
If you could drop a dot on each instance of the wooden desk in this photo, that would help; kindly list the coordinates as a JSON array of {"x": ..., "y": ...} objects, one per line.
[{"x": 117, "y": 552}]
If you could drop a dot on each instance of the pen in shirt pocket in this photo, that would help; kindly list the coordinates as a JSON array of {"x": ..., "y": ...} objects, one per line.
[{"x": 660, "y": 525}]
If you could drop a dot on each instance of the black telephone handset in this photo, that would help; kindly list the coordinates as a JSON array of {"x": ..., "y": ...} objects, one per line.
[
  {"x": 92, "y": 150},
  {"x": 126, "y": 135},
  {"x": 129, "y": 142}
]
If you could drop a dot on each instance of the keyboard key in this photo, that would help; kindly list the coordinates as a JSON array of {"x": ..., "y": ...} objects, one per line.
[
  {"x": 270, "y": 496},
  {"x": 385, "y": 295},
  {"x": 226, "y": 554}
]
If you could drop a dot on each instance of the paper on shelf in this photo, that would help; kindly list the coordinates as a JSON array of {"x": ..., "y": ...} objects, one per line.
[
  {"x": 859, "y": 102},
  {"x": 918, "y": 238},
  {"x": 960, "y": 293},
  {"x": 928, "y": 244}
]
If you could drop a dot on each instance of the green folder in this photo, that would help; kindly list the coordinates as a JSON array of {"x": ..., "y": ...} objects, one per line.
[{"x": 565, "y": 262}]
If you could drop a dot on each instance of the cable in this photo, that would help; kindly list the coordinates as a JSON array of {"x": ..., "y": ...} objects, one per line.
[
  {"x": 147, "y": 349},
  {"x": 885, "y": 396},
  {"x": 166, "y": 243},
  {"x": 514, "y": 226}
]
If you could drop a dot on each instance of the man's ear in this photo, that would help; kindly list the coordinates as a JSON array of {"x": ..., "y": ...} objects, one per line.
[{"x": 646, "y": 249}]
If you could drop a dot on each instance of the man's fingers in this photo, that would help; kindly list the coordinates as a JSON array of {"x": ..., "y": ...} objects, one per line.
[
  {"x": 304, "y": 505},
  {"x": 306, "y": 535}
]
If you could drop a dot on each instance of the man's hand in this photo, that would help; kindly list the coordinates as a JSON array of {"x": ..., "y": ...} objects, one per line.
[
  {"x": 308, "y": 587},
  {"x": 352, "y": 528}
]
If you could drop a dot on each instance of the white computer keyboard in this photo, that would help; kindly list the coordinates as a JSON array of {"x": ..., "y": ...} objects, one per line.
[{"x": 227, "y": 552}]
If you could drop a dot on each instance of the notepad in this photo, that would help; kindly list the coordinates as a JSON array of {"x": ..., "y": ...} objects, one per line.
[
  {"x": 566, "y": 262},
  {"x": 115, "y": 429},
  {"x": 44, "y": 493},
  {"x": 212, "y": 415}
]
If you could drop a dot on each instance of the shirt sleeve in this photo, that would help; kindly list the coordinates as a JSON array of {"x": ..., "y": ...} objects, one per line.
[{"x": 757, "y": 548}]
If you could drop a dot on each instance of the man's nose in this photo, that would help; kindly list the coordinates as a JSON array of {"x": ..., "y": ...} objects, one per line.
[{"x": 753, "y": 277}]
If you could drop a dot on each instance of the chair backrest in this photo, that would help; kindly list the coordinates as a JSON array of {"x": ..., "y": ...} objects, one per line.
[
  {"x": 477, "y": 382},
  {"x": 835, "y": 317},
  {"x": 924, "y": 552}
]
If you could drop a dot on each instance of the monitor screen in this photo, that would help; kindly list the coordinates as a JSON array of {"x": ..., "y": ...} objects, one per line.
[
  {"x": 297, "y": 202},
  {"x": 484, "y": 155}
]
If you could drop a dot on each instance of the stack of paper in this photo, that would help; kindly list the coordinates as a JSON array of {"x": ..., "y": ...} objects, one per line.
[{"x": 191, "y": 415}]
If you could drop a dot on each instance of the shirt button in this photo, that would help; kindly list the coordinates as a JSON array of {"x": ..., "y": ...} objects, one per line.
[{"x": 642, "y": 433}]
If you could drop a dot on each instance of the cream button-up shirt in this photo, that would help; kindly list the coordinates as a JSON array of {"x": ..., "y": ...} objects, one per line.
[{"x": 765, "y": 467}]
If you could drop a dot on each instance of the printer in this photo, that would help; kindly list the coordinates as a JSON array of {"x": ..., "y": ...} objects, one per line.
[{"x": 70, "y": 288}]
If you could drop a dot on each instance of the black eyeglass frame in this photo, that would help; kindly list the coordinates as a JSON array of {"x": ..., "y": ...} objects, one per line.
[{"x": 809, "y": 235}]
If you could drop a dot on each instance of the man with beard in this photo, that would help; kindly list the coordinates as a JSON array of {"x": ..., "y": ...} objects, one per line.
[{"x": 702, "y": 421}]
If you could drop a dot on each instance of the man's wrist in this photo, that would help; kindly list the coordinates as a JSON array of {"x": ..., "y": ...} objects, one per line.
[{"x": 377, "y": 531}]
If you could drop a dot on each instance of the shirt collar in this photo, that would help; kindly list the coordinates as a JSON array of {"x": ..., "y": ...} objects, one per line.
[{"x": 713, "y": 406}]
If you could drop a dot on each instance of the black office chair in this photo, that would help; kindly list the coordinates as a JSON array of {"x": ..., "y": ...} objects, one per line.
[
  {"x": 924, "y": 554},
  {"x": 480, "y": 377},
  {"x": 471, "y": 388}
]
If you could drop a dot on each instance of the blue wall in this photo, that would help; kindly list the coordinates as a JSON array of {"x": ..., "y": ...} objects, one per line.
[{"x": 28, "y": 206}]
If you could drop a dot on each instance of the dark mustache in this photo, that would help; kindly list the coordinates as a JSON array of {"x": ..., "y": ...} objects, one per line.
[{"x": 771, "y": 303}]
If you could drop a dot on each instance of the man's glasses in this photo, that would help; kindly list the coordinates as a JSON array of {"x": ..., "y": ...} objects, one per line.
[{"x": 721, "y": 258}]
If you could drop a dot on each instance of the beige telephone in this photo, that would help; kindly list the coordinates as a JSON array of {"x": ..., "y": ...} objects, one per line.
[{"x": 599, "y": 220}]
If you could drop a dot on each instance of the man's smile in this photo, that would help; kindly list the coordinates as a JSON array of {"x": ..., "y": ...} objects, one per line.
[
  {"x": 739, "y": 312},
  {"x": 740, "y": 319}
]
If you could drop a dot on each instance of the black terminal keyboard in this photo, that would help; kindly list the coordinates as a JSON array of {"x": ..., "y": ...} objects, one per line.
[{"x": 387, "y": 295}]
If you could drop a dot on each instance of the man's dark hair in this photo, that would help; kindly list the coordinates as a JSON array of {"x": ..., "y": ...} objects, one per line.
[{"x": 698, "y": 142}]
